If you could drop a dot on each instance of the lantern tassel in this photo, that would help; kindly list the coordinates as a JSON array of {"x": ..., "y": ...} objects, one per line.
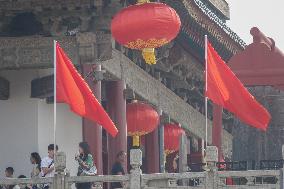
[
  {"x": 143, "y": 1},
  {"x": 136, "y": 141},
  {"x": 149, "y": 55}
]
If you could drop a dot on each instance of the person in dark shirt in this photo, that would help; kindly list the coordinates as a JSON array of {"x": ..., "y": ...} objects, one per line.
[{"x": 117, "y": 168}]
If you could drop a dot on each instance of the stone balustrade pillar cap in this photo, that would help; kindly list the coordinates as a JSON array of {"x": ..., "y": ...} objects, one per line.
[
  {"x": 60, "y": 162},
  {"x": 135, "y": 157},
  {"x": 212, "y": 154}
]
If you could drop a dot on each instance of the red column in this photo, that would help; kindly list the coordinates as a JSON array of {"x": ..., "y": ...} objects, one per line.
[
  {"x": 217, "y": 128},
  {"x": 152, "y": 152},
  {"x": 116, "y": 105},
  {"x": 92, "y": 132}
]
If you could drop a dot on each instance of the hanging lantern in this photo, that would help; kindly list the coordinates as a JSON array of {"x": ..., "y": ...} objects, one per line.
[
  {"x": 141, "y": 120},
  {"x": 146, "y": 26},
  {"x": 172, "y": 134}
]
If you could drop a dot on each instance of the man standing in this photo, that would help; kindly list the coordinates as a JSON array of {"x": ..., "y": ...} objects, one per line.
[
  {"x": 117, "y": 168},
  {"x": 47, "y": 163}
]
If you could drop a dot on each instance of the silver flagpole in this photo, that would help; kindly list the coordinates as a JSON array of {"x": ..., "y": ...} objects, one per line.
[
  {"x": 54, "y": 99},
  {"x": 206, "y": 99}
]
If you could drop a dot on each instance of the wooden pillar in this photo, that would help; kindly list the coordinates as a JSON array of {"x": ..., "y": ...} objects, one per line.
[
  {"x": 92, "y": 132},
  {"x": 217, "y": 129},
  {"x": 152, "y": 151},
  {"x": 116, "y": 106}
]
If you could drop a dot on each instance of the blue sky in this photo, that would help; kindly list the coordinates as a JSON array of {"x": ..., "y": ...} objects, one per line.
[{"x": 267, "y": 15}]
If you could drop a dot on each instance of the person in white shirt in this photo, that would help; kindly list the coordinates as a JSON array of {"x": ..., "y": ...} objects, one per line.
[{"x": 47, "y": 163}]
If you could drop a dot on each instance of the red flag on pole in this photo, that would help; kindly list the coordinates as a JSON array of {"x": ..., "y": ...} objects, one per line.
[
  {"x": 226, "y": 90},
  {"x": 73, "y": 90}
]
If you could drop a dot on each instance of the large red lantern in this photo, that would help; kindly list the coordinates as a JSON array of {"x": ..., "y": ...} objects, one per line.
[
  {"x": 141, "y": 120},
  {"x": 172, "y": 134},
  {"x": 146, "y": 26}
]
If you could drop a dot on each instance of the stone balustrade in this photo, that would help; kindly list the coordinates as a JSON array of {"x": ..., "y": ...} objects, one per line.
[{"x": 209, "y": 179}]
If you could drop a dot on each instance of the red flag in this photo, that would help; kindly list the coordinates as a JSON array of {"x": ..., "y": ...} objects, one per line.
[
  {"x": 226, "y": 90},
  {"x": 73, "y": 90}
]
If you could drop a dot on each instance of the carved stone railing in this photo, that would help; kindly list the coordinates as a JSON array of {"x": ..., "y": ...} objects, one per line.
[
  {"x": 195, "y": 179},
  {"x": 213, "y": 179},
  {"x": 208, "y": 179},
  {"x": 96, "y": 180},
  {"x": 251, "y": 179},
  {"x": 271, "y": 164},
  {"x": 27, "y": 181},
  {"x": 56, "y": 181}
]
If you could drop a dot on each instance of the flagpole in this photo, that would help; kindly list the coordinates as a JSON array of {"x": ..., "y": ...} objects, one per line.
[
  {"x": 206, "y": 87},
  {"x": 54, "y": 100}
]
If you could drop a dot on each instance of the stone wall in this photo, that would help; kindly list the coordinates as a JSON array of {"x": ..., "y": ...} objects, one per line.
[{"x": 252, "y": 144}]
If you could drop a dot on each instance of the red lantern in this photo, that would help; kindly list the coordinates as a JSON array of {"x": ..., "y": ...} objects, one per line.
[
  {"x": 172, "y": 133},
  {"x": 146, "y": 26},
  {"x": 141, "y": 120}
]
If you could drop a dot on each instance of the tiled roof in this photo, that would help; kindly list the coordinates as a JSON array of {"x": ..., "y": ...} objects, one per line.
[{"x": 193, "y": 30}]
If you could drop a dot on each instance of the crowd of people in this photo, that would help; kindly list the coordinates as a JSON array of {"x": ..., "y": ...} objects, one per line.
[{"x": 44, "y": 167}]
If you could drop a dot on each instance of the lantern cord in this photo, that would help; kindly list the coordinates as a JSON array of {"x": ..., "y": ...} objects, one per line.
[{"x": 206, "y": 99}]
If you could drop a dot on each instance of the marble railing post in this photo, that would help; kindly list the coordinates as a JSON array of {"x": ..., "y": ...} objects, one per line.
[
  {"x": 135, "y": 173},
  {"x": 60, "y": 165},
  {"x": 183, "y": 158},
  {"x": 211, "y": 175}
]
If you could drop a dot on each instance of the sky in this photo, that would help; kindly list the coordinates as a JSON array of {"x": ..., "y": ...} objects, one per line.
[{"x": 267, "y": 15}]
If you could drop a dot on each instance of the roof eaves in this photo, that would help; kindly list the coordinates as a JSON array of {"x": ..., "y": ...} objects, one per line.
[{"x": 212, "y": 16}]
